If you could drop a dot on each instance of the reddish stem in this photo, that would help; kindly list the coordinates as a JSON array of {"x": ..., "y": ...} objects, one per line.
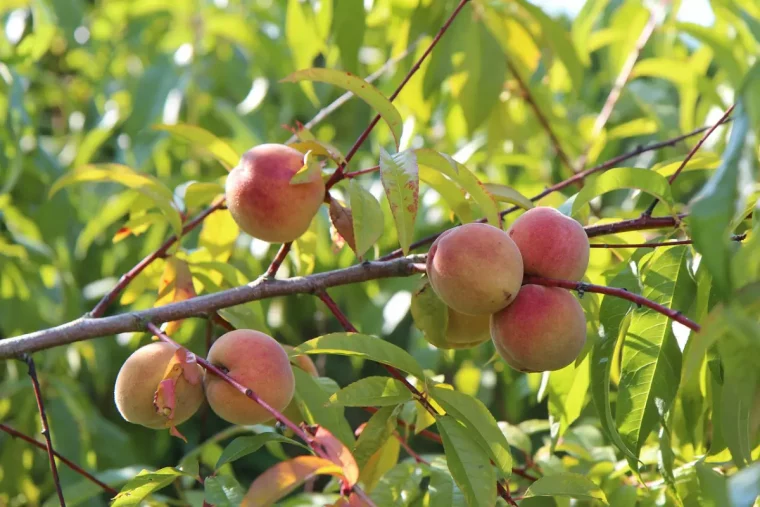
[
  {"x": 582, "y": 287},
  {"x": 395, "y": 373},
  {"x": 738, "y": 237},
  {"x": 282, "y": 253},
  {"x": 130, "y": 275},
  {"x": 354, "y": 174},
  {"x": 339, "y": 173},
  {"x": 540, "y": 116},
  {"x": 17, "y": 434},
  {"x": 45, "y": 428},
  {"x": 411, "y": 452},
  {"x": 297, "y": 430},
  {"x": 691, "y": 153},
  {"x": 636, "y": 224}
]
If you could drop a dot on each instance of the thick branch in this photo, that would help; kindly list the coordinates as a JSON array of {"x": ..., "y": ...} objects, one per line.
[
  {"x": 45, "y": 428},
  {"x": 582, "y": 287},
  {"x": 262, "y": 288},
  {"x": 84, "y": 473}
]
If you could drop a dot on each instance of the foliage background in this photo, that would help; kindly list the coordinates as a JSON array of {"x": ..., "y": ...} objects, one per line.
[{"x": 84, "y": 82}]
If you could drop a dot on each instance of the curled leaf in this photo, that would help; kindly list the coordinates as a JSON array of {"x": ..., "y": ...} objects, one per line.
[{"x": 343, "y": 221}]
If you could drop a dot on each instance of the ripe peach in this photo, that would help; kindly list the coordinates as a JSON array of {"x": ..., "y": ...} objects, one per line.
[
  {"x": 476, "y": 269},
  {"x": 304, "y": 362},
  {"x": 258, "y": 362},
  {"x": 543, "y": 329},
  {"x": 138, "y": 380},
  {"x": 551, "y": 244},
  {"x": 264, "y": 203}
]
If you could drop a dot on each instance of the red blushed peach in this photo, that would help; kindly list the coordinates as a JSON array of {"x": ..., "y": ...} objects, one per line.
[
  {"x": 476, "y": 269},
  {"x": 551, "y": 244},
  {"x": 544, "y": 329},
  {"x": 258, "y": 362},
  {"x": 264, "y": 203}
]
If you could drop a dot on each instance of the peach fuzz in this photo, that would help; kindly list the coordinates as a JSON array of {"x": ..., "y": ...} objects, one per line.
[
  {"x": 544, "y": 329},
  {"x": 138, "y": 380},
  {"x": 258, "y": 362},
  {"x": 264, "y": 203},
  {"x": 476, "y": 269},
  {"x": 552, "y": 245}
]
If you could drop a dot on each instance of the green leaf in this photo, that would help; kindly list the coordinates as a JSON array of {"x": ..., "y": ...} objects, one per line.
[
  {"x": 566, "y": 484},
  {"x": 556, "y": 37},
  {"x": 464, "y": 177},
  {"x": 243, "y": 446},
  {"x": 116, "y": 207},
  {"x": 380, "y": 461},
  {"x": 400, "y": 486},
  {"x": 360, "y": 88},
  {"x": 372, "y": 391},
  {"x": 454, "y": 196},
  {"x": 651, "y": 365},
  {"x": 364, "y": 346},
  {"x": 713, "y": 209},
  {"x": 201, "y": 138},
  {"x": 223, "y": 491},
  {"x": 441, "y": 487},
  {"x": 319, "y": 148},
  {"x": 567, "y": 394},
  {"x": 143, "y": 484},
  {"x": 378, "y": 429},
  {"x": 468, "y": 463},
  {"x": 78, "y": 492},
  {"x": 400, "y": 177},
  {"x": 503, "y": 193},
  {"x": 348, "y": 28},
  {"x": 430, "y": 314},
  {"x": 305, "y": 174},
  {"x": 198, "y": 193},
  {"x": 612, "y": 327},
  {"x": 314, "y": 401},
  {"x": 624, "y": 177},
  {"x": 367, "y": 214},
  {"x": 479, "y": 422},
  {"x": 147, "y": 185}
]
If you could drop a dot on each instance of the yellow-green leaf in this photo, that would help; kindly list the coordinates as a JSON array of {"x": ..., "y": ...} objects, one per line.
[
  {"x": 201, "y": 138},
  {"x": 400, "y": 178}
]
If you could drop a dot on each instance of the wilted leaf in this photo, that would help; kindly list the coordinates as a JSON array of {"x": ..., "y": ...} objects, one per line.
[
  {"x": 175, "y": 285},
  {"x": 343, "y": 221}
]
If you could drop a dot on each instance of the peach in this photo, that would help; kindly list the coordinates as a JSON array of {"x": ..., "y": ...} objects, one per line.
[
  {"x": 264, "y": 203},
  {"x": 139, "y": 378},
  {"x": 257, "y": 361},
  {"x": 544, "y": 329},
  {"x": 304, "y": 362},
  {"x": 551, "y": 244},
  {"x": 476, "y": 269}
]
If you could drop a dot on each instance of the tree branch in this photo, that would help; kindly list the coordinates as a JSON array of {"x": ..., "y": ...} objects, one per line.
[
  {"x": 130, "y": 275},
  {"x": 582, "y": 287},
  {"x": 262, "y": 288},
  {"x": 45, "y": 428},
  {"x": 540, "y": 116},
  {"x": 736, "y": 237},
  {"x": 691, "y": 153},
  {"x": 17, "y": 434},
  {"x": 636, "y": 224}
]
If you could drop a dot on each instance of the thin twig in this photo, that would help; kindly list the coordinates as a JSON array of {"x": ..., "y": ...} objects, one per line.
[
  {"x": 540, "y": 116},
  {"x": 395, "y": 373},
  {"x": 650, "y": 209},
  {"x": 282, "y": 253},
  {"x": 736, "y": 237},
  {"x": 84, "y": 473},
  {"x": 567, "y": 182},
  {"x": 248, "y": 392},
  {"x": 200, "y": 306},
  {"x": 635, "y": 224},
  {"x": 45, "y": 427},
  {"x": 582, "y": 287},
  {"x": 130, "y": 275},
  {"x": 617, "y": 88},
  {"x": 337, "y": 103}
]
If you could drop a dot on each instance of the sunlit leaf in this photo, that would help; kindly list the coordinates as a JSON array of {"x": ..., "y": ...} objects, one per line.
[
  {"x": 372, "y": 391},
  {"x": 223, "y": 491},
  {"x": 205, "y": 140},
  {"x": 358, "y": 87},
  {"x": 566, "y": 484},
  {"x": 285, "y": 476},
  {"x": 509, "y": 195},
  {"x": 175, "y": 285},
  {"x": 243, "y": 446},
  {"x": 622, "y": 178},
  {"x": 143, "y": 484},
  {"x": 364, "y": 346}
]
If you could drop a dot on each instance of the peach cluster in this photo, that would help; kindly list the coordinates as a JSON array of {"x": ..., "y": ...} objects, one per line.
[
  {"x": 158, "y": 386},
  {"x": 477, "y": 271}
]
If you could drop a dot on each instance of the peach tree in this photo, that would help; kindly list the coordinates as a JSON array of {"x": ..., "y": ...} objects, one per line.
[{"x": 515, "y": 264}]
